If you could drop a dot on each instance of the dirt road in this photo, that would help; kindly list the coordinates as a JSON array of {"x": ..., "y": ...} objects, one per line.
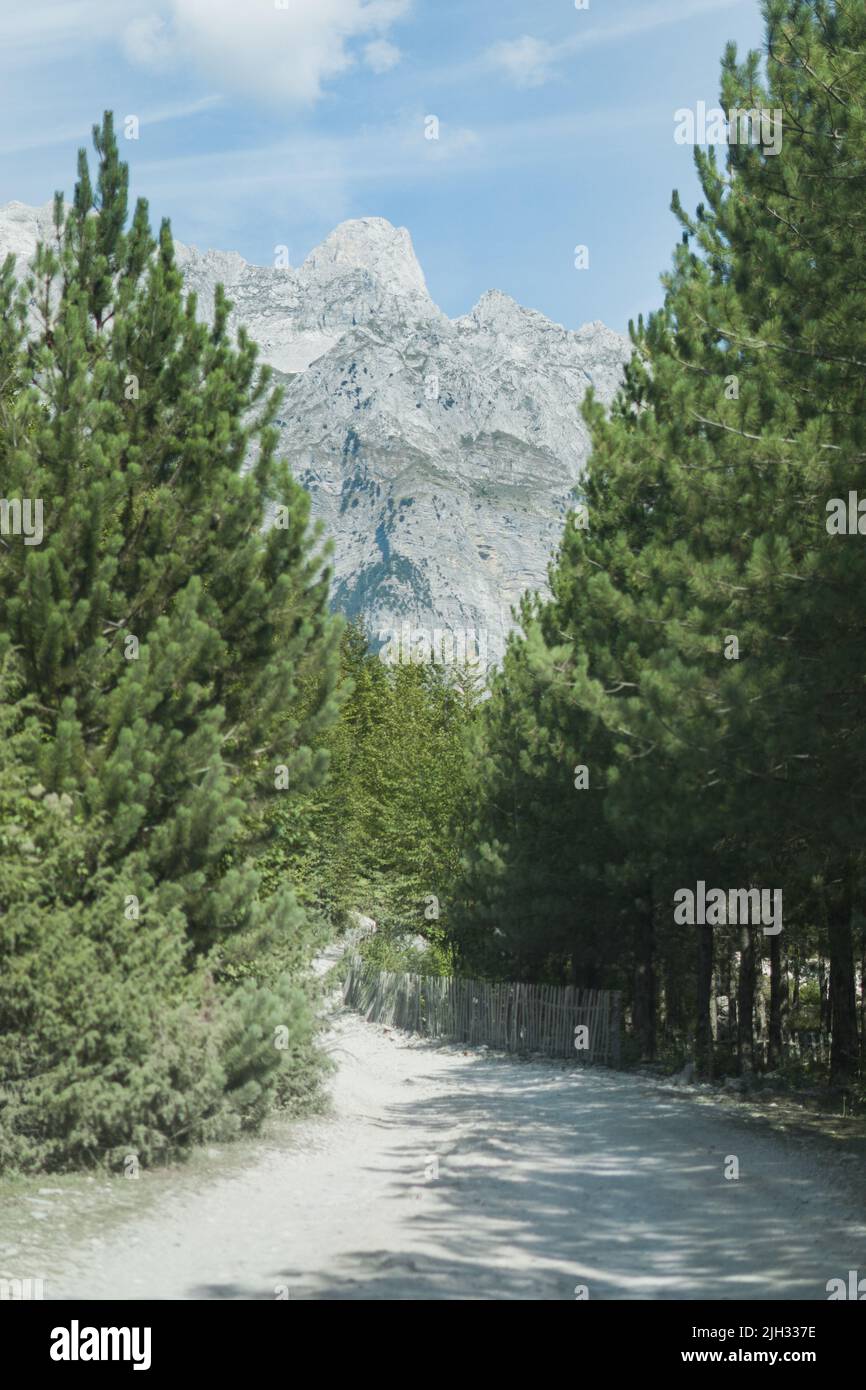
[{"x": 451, "y": 1176}]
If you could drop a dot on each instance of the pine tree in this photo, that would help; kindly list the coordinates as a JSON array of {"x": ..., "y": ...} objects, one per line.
[
  {"x": 380, "y": 835},
  {"x": 538, "y": 896},
  {"x": 774, "y": 304},
  {"x": 739, "y": 420},
  {"x": 162, "y": 633},
  {"x": 161, "y": 639}
]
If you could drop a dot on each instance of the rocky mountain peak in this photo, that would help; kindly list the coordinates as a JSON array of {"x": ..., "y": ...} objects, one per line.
[
  {"x": 369, "y": 244},
  {"x": 440, "y": 454},
  {"x": 495, "y": 308}
]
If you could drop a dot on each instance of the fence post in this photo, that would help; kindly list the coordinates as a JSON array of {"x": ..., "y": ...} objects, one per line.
[{"x": 616, "y": 1028}]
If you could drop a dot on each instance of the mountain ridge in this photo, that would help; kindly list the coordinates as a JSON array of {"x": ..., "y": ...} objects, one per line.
[{"x": 439, "y": 453}]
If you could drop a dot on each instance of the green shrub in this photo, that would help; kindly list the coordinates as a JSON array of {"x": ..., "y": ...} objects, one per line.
[{"x": 114, "y": 1041}]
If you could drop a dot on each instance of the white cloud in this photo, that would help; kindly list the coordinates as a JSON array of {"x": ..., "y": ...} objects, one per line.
[
  {"x": 530, "y": 62},
  {"x": 527, "y": 61},
  {"x": 304, "y": 177},
  {"x": 46, "y": 27},
  {"x": 146, "y": 40},
  {"x": 324, "y": 172},
  {"x": 381, "y": 56},
  {"x": 283, "y": 55},
  {"x": 33, "y": 139},
  {"x": 280, "y": 55}
]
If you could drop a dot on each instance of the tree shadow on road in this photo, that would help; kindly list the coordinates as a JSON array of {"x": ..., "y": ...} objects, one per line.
[{"x": 553, "y": 1181}]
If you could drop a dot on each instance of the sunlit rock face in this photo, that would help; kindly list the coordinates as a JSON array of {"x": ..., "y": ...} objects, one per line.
[{"x": 440, "y": 453}]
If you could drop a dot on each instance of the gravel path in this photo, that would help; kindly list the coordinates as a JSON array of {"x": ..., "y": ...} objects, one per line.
[{"x": 548, "y": 1178}]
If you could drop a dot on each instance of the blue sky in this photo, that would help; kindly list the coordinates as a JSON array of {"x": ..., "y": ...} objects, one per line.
[{"x": 263, "y": 126}]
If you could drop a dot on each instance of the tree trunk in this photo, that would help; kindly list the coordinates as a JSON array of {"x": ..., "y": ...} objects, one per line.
[
  {"x": 727, "y": 980},
  {"x": 703, "y": 1031},
  {"x": 778, "y": 985},
  {"x": 863, "y": 984},
  {"x": 746, "y": 1001},
  {"x": 845, "y": 1049},
  {"x": 824, "y": 996},
  {"x": 675, "y": 1023},
  {"x": 762, "y": 1026},
  {"x": 644, "y": 1007}
]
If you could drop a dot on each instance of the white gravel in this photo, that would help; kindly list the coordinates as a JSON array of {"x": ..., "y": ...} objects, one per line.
[{"x": 548, "y": 1178}]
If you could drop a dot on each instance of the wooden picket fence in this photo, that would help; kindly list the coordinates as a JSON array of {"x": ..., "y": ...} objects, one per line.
[
  {"x": 808, "y": 1046},
  {"x": 513, "y": 1017}
]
